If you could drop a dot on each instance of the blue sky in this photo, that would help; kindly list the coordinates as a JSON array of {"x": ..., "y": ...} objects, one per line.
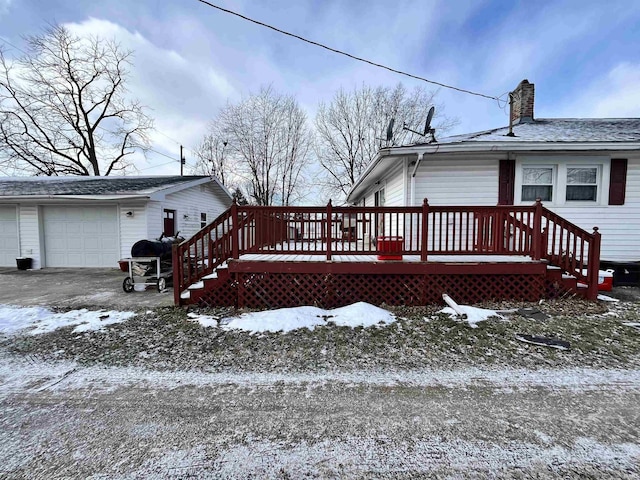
[{"x": 583, "y": 56}]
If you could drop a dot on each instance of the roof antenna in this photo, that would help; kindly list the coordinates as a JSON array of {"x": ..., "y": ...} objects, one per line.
[
  {"x": 427, "y": 127},
  {"x": 511, "y": 134}
]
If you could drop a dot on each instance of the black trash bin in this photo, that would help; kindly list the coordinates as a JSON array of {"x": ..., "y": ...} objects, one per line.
[{"x": 24, "y": 263}]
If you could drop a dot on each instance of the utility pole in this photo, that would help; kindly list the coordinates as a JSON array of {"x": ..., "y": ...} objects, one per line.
[{"x": 182, "y": 162}]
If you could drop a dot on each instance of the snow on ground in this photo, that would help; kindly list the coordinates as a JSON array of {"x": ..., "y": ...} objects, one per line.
[
  {"x": 380, "y": 457},
  {"x": 17, "y": 374},
  {"x": 359, "y": 314},
  {"x": 474, "y": 314},
  {"x": 37, "y": 320}
]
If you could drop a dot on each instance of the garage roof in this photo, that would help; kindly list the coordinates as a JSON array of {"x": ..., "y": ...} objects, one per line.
[{"x": 95, "y": 186}]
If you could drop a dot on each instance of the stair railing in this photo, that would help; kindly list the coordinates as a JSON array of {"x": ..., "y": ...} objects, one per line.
[
  {"x": 571, "y": 248},
  {"x": 202, "y": 253}
]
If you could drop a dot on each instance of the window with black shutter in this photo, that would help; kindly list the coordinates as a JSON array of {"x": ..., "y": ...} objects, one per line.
[
  {"x": 506, "y": 182},
  {"x": 617, "y": 181}
]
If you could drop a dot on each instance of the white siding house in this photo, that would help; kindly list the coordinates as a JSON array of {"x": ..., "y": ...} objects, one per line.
[
  {"x": 585, "y": 170},
  {"x": 94, "y": 221}
]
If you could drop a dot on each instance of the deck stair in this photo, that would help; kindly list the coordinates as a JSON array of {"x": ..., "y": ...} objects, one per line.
[{"x": 305, "y": 257}]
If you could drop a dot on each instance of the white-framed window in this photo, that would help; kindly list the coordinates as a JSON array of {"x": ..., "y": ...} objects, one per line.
[
  {"x": 203, "y": 220},
  {"x": 582, "y": 184},
  {"x": 562, "y": 180},
  {"x": 379, "y": 198},
  {"x": 537, "y": 182}
]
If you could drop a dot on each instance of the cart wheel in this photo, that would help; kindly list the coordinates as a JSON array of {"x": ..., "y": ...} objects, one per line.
[
  {"x": 127, "y": 285},
  {"x": 162, "y": 284}
]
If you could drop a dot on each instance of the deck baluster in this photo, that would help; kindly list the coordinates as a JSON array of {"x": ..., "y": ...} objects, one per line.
[
  {"x": 235, "y": 225},
  {"x": 329, "y": 228}
]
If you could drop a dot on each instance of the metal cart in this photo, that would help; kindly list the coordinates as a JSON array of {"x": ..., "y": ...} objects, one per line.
[{"x": 147, "y": 271}]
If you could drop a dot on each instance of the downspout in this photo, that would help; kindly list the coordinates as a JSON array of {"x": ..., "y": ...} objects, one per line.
[{"x": 413, "y": 179}]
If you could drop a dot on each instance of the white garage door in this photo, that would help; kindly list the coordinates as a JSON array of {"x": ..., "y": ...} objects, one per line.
[
  {"x": 81, "y": 236},
  {"x": 9, "y": 249}
]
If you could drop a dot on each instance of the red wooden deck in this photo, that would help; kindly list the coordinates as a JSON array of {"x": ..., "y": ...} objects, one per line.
[{"x": 328, "y": 256}]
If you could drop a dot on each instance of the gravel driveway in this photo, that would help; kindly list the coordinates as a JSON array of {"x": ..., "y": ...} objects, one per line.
[
  {"x": 468, "y": 423},
  {"x": 76, "y": 288}
]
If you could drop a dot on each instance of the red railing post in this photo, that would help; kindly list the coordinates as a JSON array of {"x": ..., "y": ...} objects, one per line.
[
  {"x": 594, "y": 265},
  {"x": 329, "y": 222},
  {"x": 425, "y": 230},
  {"x": 176, "y": 262},
  {"x": 537, "y": 231},
  {"x": 235, "y": 226}
]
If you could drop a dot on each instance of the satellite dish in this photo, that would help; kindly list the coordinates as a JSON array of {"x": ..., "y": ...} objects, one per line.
[
  {"x": 390, "y": 129},
  {"x": 427, "y": 125}
]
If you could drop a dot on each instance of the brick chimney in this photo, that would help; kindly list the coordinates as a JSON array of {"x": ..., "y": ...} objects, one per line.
[{"x": 522, "y": 108}]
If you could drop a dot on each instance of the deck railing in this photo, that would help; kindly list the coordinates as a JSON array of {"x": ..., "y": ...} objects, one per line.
[{"x": 425, "y": 230}]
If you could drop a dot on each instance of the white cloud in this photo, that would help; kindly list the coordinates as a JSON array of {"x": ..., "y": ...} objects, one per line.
[
  {"x": 614, "y": 94},
  {"x": 617, "y": 95},
  {"x": 181, "y": 94}
]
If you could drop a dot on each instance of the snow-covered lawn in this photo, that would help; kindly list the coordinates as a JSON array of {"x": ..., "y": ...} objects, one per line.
[
  {"x": 287, "y": 319},
  {"x": 37, "y": 320}
]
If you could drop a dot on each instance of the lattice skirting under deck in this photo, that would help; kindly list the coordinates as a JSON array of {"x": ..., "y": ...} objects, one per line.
[{"x": 272, "y": 290}]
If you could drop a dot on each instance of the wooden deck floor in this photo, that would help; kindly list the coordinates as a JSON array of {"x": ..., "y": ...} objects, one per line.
[{"x": 345, "y": 258}]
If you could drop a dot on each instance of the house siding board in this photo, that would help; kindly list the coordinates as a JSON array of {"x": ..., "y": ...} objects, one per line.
[
  {"x": 30, "y": 234},
  {"x": 468, "y": 181},
  {"x": 132, "y": 228},
  {"x": 191, "y": 202},
  {"x": 153, "y": 217},
  {"x": 394, "y": 191}
]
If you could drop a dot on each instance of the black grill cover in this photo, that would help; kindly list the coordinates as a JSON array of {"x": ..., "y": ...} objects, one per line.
[{"x": 151, "y": 248}]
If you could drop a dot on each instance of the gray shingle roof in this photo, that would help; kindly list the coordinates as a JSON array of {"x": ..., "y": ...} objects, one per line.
[
  {"x": 559, "y": 130},
  {"x": 11, "y": 186}
]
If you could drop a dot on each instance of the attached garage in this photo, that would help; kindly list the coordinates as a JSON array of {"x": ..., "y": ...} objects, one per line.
[
  {"x": 81, "y": 236},
  {"x": 75, "y": 222},
  {"x": 9, "y": 247}
]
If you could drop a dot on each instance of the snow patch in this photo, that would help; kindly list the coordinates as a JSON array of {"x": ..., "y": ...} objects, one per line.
[
  {"x": 474, "y": 314},
  {"x": 204, "y": 320},
  {"x": 359, "y": 314},
  {"x": 37, "y": 320}
]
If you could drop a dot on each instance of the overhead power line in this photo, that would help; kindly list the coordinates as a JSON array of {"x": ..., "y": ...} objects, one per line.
[
  {"x": 155, "y": 166},
  {"x": 346, "y": 54},
  {"x": 4, "y": 40}
]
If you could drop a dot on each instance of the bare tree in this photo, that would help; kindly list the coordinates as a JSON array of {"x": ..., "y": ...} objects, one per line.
[
  {"x": 352, "y": 128},
  {"x": 268, "y": 143},
  {"x": 64, "y": 110},
  {"x": 211, "y": 156}
]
